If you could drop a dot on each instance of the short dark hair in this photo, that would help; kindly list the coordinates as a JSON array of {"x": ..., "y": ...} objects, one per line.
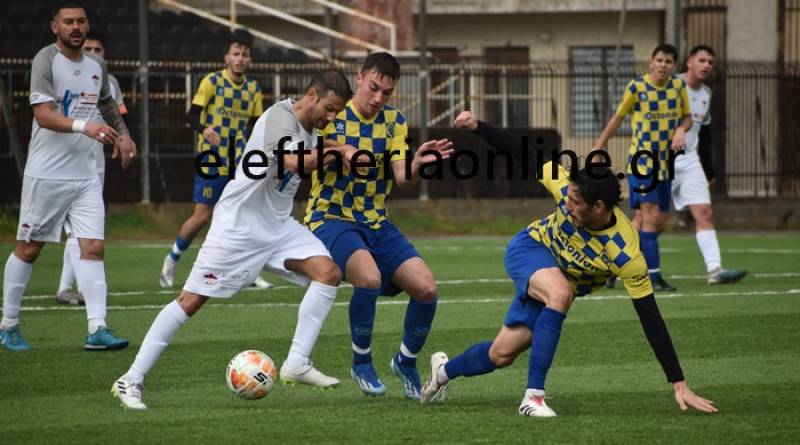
[
  {"x": 69, "y": 5},
  {"x": 384, "y": 63},
  {"x": 92, "y": 35},
  {"x": 601, "y": 185},
  {"x": 242, "y": 37},
  {"x": 697, "y": 48},
  {"x": 667, "y": 49},
  {"x": 331, "y": 80}
]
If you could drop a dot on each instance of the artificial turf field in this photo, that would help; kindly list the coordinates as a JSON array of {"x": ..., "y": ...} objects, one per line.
[{"x": 739, "y": 346}]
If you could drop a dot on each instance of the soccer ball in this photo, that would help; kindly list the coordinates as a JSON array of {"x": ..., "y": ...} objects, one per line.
[{"x": 250, "y": 374}]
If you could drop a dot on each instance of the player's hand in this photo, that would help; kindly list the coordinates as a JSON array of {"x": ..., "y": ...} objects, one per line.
[
  {"x": 426, "y": 153},
  {"x": 466, "y": 119},
  {"x": 211, "y": 136},
  {"x": 350, "y": 156},
  {"x": 679, "y": 139},
  {"x": 686, "y": 398},
  {"x": 100, "y": 132},
  {"x": 125, "y": 148}
]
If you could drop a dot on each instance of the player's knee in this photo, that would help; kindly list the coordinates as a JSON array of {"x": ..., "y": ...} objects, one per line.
[
  {"x": 426, "y": 292},
  {"x": 190, "y": 303},
  {"x": 329, "y": 274},
  {"x": 558, "y": 298},
  {"x": 92, "y": 249},
  {"x": 367, "y": 280},
  {"x": 27, "y": 252}
]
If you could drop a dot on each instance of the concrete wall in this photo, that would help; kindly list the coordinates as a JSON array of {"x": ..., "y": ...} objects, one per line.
[{"x": 752, "y": 31}]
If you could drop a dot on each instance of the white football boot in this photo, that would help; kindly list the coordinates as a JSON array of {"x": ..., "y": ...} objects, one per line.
[
  {"x": 533, "y": 405},
  {"x": 307, "y": 374},
  {"x": 433, "y": 391},
  {"x": 167, "y": 278},
  {"x": 129, "y": 392},
  {"x": 261, "y": 283}
]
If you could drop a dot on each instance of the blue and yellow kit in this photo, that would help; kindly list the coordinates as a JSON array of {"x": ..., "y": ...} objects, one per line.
[
  {"x": 353, "y": 199},
  {"x": 655, "y": 114},
  {"x": 588, "y": 258}
]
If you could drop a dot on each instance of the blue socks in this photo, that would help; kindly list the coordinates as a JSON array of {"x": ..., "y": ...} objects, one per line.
[
  {"x": 474, "y": 361},
  {"x": 362, "y": 318},
  {"x": 546, "y": 334},
  {"x": 417, "y": 325},
  {"x": 179, "y": 247},
  {"x": 649, "y": 245}
]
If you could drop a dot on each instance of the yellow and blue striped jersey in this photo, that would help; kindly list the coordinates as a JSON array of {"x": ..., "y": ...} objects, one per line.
[
  {"x": 227, "y": 107},
  {"x": 349, "y": 198},
  {"x": 588, "y": 258},
  {"x": 656, "y": 113}
]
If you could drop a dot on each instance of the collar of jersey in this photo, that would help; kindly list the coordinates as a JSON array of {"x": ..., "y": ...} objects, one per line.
[
  {"x": 646, "y": 78},
  {"x": 235, "y": 85},
  {"x": 363, "y": 119},
  {"x": 609, "y": 230}
]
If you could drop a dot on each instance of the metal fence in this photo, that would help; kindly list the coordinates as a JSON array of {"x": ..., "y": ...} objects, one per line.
[{"x": 754, "y": 108}]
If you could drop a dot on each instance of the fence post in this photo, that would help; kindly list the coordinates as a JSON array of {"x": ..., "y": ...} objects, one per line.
[{"x": 504, "y": 95}]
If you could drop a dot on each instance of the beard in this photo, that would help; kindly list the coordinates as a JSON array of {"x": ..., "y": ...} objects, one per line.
[{"x": 67, "y": 41}]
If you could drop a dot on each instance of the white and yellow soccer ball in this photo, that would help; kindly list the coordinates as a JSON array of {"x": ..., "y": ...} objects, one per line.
[{"x": 251, "y": 374}]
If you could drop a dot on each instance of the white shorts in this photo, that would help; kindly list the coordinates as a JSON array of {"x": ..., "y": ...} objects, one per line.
[
  {"x": 67, "y": 225},
  {"x": 47, "y": 203},
  {"x": 220, "y": 272},
  {"x": 689, "y": 186}
]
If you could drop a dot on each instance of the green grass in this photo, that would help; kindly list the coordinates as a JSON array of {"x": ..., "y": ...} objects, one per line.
[{"x": 738, "y": 345}]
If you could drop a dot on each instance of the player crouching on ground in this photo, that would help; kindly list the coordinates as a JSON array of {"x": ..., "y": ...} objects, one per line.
[
  {"x": 252, "y": 229},
  {"x": 566, "y": 254}
]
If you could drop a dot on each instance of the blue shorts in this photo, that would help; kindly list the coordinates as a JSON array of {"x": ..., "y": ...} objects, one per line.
[
  {"x": 661, "y": 194},
  {"x": 208, "y": 191},
  {"x": 524, "y": 256},
  {"x": 388, "y": 246}
]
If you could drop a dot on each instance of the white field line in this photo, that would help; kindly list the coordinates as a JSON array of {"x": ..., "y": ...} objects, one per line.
[
  {"x": 402, "y": 301},
  {"x": 176, "y": 291}
]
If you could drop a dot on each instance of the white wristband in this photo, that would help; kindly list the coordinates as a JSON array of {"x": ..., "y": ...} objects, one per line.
[{"x": 78, "y": 126}]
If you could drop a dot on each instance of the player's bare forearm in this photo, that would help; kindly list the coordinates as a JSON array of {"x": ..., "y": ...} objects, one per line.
[
  {"x": 110, "y": 112},
  {"x": 405, "y": 178},
  {"x": 47, "y": 117},
  {"x": 608, "y": 132}
]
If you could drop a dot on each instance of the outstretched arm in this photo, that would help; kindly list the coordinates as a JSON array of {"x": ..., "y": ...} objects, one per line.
[
  {"x": 657, "y": 335},
  {"x": 608, "y": 132}
]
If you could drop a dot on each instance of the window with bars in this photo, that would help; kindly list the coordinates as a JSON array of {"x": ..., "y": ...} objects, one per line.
[{"x": 593, "y": 97}]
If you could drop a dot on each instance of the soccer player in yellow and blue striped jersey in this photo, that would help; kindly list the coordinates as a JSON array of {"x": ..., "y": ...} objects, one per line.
[
  {"x": 348, "y": 213},
  {"x": 561, "y": 256},
  {"x": 223, "y": 111},
  {"x": 660, "y": 117}
]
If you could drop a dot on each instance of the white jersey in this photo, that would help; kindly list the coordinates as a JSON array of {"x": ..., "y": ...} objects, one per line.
[
  {"x": 256, "y": 212},
  {"x": 75, "y": 87},
  {"x": 700, "y": 104}
]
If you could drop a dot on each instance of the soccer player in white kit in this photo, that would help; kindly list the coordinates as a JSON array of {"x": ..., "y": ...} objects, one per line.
[
  {"x": 72, "y": 252},
  {"x": 252, "y": 229},
  {"x": 690, "y": 186},
  {"x": 71, "y": 98}
]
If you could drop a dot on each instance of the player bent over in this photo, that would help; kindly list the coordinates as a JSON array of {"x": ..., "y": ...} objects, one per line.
[
  {"x": 566, "y": 254},
  {"x": 252, "y": 229}
]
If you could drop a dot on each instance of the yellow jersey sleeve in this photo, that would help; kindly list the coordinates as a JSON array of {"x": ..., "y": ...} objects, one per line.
[
  {"x": 258, "y": 103},
  {"x": 398, "y": 147},
  {"x": 204, "y": 92},
  {"x": 628, "y": 100},
  {"x": 686, "y": 109},
  {"x": 557, "y": 186},
  {"x": 635, "y": 278}
]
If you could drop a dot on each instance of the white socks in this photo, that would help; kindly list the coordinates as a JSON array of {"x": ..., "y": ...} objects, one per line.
[
  {"x": 15, "y": 280},
  {"x": 161, "y": 332},
  {"x": 314, "y": 308},
  {"x": 91, "y": 276},
  {"x": 441, "y": 376},
  {"x": 72, "y": 254},
  {"x": 709, "y": 247}
]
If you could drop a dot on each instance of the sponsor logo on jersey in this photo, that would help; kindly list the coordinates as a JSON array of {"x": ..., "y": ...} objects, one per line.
[
  {"x": 642, "y": 96},
  {"x": 390, "y": 130},
  {"x": 96, "y": 80},
  {"x": 661, "y": 115},
  {"x": 340, "y": 127}
]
